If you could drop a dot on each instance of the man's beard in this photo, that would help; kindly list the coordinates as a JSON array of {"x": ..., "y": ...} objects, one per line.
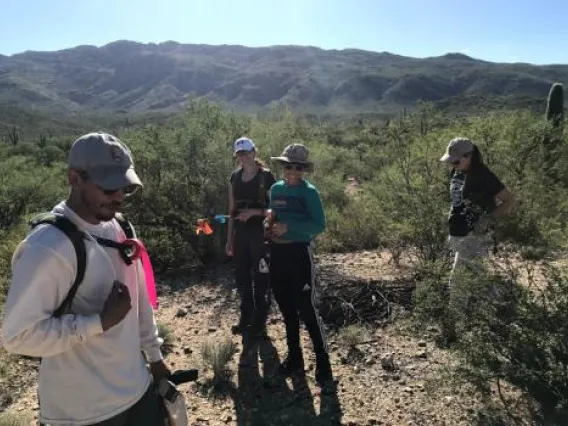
[
  {"x": 96, "y": 210},
  {"x": 104, "y": 217}
]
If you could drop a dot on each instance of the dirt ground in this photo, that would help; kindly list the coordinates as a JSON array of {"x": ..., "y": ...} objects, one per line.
[{"x": 393, "y": 378}]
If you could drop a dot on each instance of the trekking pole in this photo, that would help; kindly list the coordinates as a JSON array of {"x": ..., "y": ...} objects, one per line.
[
  {"x": 183, "y": 376},
  {"x": 268, "y": 224}
]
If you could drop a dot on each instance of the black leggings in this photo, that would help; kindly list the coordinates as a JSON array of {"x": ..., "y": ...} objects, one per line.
[
  {"x": 252, "y": 281},
  {"x": 292, "y": 278}
]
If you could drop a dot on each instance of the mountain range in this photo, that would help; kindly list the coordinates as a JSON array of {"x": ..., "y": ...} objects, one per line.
[{"x": 126, "y": 76}]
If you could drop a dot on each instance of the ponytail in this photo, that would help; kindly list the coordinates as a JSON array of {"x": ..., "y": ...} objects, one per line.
[
  {"x": 476, "y": 158},
  {"x": 257, "y": 161},
  {"x": 475, "y": 168}
]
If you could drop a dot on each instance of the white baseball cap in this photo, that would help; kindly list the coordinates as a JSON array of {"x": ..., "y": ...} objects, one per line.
[{"x": 243, "y": 144}]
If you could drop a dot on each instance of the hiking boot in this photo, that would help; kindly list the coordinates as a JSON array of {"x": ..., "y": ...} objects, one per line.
[
  {"x": 293, "y": 364},
  {"x": 323, "y": 369}
]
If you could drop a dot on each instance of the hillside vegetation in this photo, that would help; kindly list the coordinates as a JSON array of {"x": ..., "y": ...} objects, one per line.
[{"x": 133, "y": 77}]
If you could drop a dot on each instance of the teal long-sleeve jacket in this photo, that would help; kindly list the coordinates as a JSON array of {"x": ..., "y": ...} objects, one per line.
[{"x": 300, "y": 208}]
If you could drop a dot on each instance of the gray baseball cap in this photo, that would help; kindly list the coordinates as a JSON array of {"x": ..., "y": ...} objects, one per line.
[
  {"x": 456, "y": 149},
  {"x": 106, "y": 159}
]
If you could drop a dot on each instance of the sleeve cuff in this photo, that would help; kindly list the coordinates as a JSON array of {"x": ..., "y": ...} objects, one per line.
[{"x": 154, "y": 355}]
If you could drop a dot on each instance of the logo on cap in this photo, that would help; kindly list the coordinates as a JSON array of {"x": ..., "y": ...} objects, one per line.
[{"x": 116, "y": 153}]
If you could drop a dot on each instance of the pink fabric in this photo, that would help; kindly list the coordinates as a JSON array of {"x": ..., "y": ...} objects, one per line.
[
  {"x": 149, "y": 274},
  {"x": 141, "y": 253}
]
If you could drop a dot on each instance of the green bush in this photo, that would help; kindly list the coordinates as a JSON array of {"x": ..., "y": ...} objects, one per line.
[
  {"x": 508, "y": 329},
  {"x": 522, "y": 338},
  {"x": 402, "y": 200},
  {"x": 401, "y": 205}
]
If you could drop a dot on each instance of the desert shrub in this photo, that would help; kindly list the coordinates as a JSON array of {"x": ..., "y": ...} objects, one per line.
[
  {"x": 217, "y": 355},
  {"x": 511, "y": 324}
]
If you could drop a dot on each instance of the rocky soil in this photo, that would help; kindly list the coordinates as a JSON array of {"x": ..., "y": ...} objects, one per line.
[{"x": 392, "y": 377}]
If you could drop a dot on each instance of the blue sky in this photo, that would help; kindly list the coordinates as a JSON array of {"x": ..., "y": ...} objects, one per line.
[{"x": 497, "y": 30}]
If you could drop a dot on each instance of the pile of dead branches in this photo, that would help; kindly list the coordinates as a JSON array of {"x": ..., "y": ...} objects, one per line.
[{"x": 347, "y": 300}]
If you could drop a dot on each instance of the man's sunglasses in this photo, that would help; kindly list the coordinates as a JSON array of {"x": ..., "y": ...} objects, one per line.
[
  {"x": 127, "y": 190},
  {"x": 298, "y": 167}
]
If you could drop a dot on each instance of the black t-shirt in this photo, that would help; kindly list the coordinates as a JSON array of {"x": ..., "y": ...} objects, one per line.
[
  {"x": 249, "y": 195},
  {"x": 472, "y": 194}
]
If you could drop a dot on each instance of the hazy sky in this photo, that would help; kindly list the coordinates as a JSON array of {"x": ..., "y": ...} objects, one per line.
[{"x": 496, "y": 30}]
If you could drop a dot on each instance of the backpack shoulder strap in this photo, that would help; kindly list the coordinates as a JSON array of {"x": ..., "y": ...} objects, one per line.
[
  {"x": 236, "y": 176},
  {"x": 77, "y": 239},
  {"x": 262, "y": 187},
  {"x": 125, "y": 225}
]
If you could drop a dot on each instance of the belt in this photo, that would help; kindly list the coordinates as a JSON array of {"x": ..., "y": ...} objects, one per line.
[{"x": 276, "y": 240}]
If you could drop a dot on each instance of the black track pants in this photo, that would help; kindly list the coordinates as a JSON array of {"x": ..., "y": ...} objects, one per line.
[{"x": 292, "y": 278}]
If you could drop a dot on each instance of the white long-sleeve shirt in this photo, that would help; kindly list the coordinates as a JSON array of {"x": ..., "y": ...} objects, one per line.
[{"x": 86, "y": 375}]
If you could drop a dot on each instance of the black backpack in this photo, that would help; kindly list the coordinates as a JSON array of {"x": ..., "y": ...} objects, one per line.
[
  {"x": 261, "y": 184},
  {"x": 77, "y": 237}
]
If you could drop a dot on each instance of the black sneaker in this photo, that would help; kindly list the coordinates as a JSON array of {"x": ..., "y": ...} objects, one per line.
[
  {"x": 293, "y": 364},
  {"x": 323, "y": 369}
]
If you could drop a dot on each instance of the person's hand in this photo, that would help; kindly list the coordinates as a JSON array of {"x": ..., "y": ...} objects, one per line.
[
  {"x": 159, "y": 370},
  {"x": 116, "y": 306},
  {"x": 229, "y": 248},
  {"x": 244, "y": 215},
  {"x": 279, "y": 229}
]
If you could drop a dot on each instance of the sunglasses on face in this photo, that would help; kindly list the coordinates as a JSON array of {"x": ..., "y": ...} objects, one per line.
[
  {"x": 127, "y": 190},
  {"x": 456, "y": 162},
  {"x": 297, "y": 167}
]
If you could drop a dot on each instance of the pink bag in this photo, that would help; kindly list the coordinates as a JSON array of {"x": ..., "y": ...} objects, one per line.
[
  {"x": 140, "y": 252},
  {"x": 150, "y": 283}
]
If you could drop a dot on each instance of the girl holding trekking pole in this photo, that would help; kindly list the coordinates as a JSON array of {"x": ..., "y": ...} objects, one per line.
[{"x": 248, "y": 200}]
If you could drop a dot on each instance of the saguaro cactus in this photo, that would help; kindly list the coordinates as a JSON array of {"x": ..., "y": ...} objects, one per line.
[
  {"x": 552, "y": 140},
  {"x": 42, "y": 140},
  {"x": 14, "y": 136},
  {"x": 555, "y": 106}
]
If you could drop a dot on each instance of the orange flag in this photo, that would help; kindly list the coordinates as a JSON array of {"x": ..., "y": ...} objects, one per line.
[{"x": 203, "y": 227}]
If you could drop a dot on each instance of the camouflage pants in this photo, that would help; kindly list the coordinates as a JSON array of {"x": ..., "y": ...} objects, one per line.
[
  {"x": 469, "y": 255},
  {"x": 469, "y": 252}
]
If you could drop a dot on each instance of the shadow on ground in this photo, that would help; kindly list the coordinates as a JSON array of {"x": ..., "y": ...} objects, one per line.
[{"x": 265, "y": 397}]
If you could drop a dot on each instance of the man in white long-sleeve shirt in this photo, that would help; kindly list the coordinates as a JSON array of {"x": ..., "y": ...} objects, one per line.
[{"x": 93, "y": 369}]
